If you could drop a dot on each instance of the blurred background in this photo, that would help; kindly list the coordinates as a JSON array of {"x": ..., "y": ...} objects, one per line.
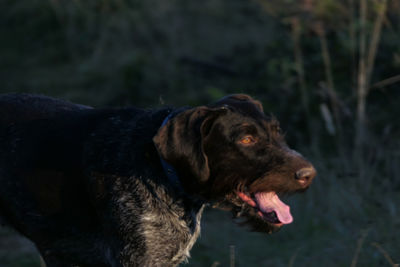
[{"x": 329, "y": 70}]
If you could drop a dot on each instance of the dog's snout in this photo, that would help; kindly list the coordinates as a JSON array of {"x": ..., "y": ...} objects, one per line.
[{"x": 305, "y": 175}]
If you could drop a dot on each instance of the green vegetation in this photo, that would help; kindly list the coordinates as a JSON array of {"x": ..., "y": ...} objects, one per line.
[{"x": 329, "y": 70}]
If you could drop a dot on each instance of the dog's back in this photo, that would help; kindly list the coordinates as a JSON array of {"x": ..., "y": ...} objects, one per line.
[{"x": 26, "y": 107}]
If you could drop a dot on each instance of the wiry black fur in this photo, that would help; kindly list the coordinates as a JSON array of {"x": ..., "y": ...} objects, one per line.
[{"x": 87, "y": 187}]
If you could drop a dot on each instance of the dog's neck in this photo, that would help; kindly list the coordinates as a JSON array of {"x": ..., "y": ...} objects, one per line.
[{"x": 193, "y": 214}]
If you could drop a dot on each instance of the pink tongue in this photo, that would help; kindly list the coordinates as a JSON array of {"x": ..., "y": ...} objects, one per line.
[{"x": 268, "y": 202}]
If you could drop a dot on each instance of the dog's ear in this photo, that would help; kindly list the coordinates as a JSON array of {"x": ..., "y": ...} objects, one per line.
[{"x": 180, "y": 142}]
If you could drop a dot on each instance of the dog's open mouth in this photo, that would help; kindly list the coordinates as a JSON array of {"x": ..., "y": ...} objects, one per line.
[{"x": 269, "y": 207}]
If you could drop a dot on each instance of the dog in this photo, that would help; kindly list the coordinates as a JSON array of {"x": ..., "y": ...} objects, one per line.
[{"x": 127, "y": 186}]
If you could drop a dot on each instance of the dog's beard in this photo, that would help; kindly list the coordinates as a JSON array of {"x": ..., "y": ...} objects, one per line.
[
  {"x": 246, "y": 215},
  {"x": 249, "y": 217}
]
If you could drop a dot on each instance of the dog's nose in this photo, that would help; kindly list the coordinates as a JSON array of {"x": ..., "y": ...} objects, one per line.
[{"x": 305, "y": 175}]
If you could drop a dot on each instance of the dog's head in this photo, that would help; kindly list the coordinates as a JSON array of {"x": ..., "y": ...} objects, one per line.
[{"x": 233, "y": 155}]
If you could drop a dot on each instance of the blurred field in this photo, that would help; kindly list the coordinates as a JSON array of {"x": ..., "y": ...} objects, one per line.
[{"x": 329, "y": 70}]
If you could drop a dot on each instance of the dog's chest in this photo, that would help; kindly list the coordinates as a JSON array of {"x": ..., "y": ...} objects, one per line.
[{"x": 170, "y": 235}]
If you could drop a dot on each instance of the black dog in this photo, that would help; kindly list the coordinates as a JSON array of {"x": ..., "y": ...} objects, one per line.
[{"x": 127, "y": 187}]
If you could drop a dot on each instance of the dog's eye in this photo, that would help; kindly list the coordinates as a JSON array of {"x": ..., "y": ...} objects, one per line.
[{"x": 247, "y": 140}]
